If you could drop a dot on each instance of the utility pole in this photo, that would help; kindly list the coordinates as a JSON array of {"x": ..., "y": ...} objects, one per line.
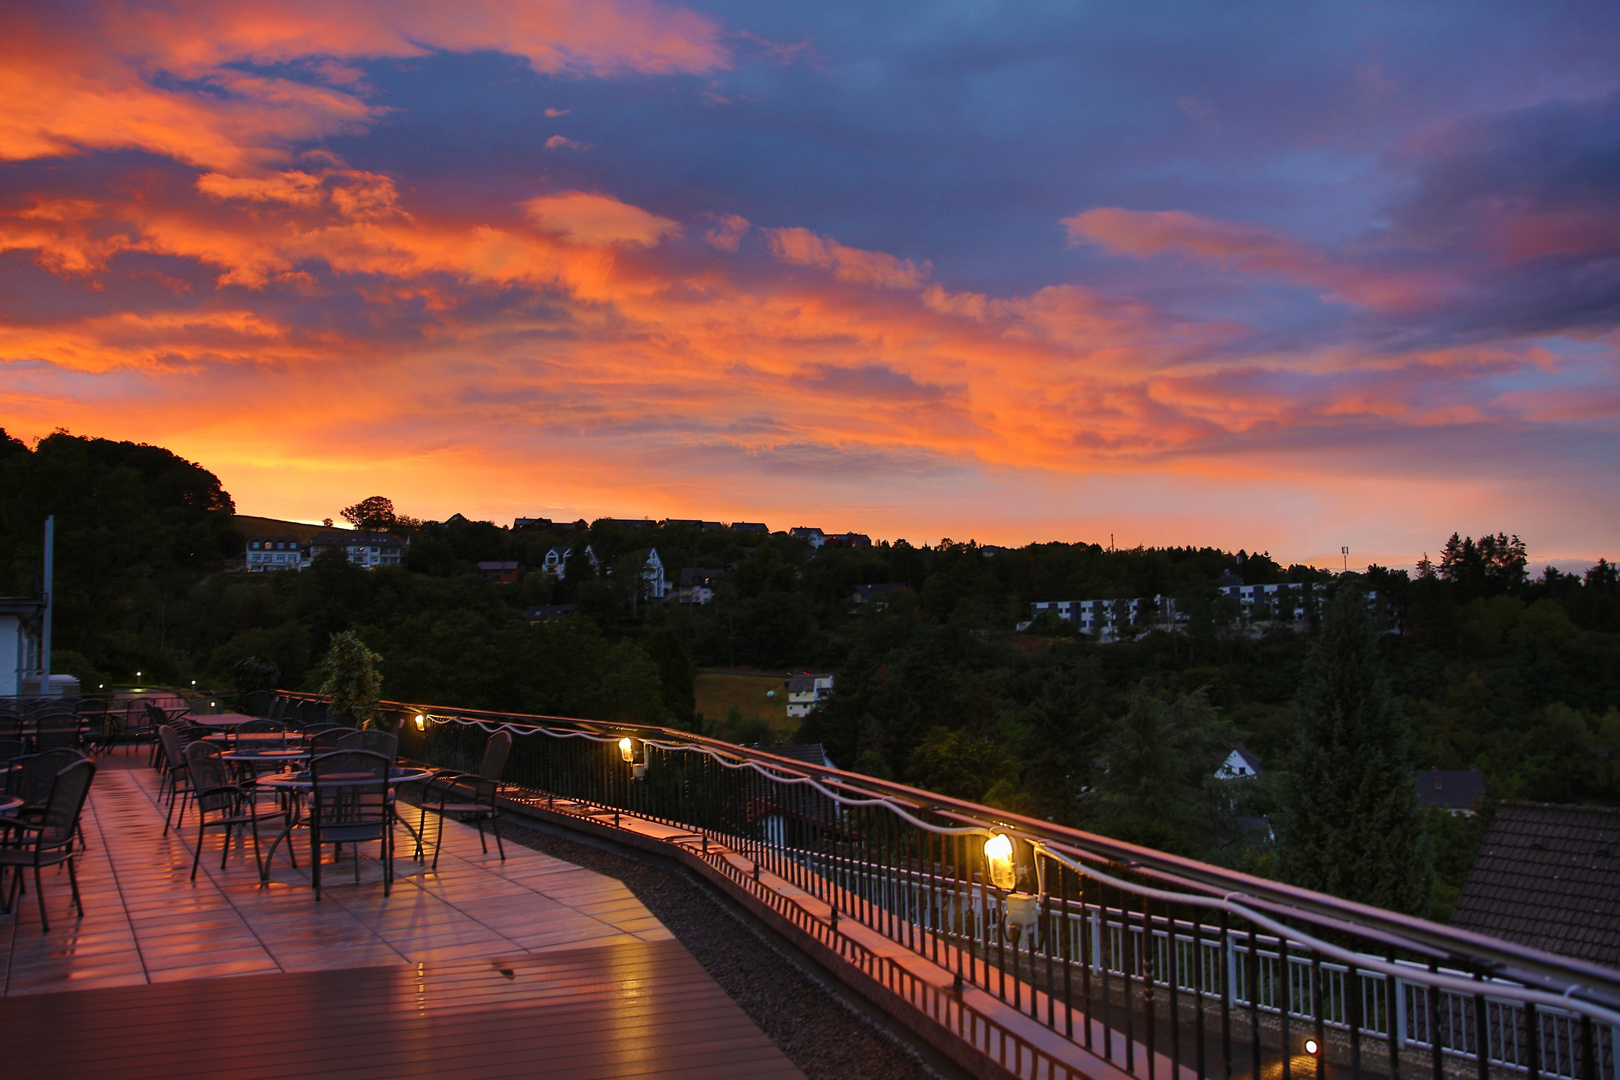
[
  {"x": 1346, "y": 553},
  {"x": 45, "y": 626}
]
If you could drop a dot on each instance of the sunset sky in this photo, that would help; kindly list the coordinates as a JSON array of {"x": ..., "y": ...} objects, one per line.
[{"x": 1274, "y": 276}]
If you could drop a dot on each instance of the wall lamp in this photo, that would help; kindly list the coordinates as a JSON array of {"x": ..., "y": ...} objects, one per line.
[
  {"x": 1020, "y": 910},
  {"x": 627, "y": 752},
  {"x": 421, "y": 722}
]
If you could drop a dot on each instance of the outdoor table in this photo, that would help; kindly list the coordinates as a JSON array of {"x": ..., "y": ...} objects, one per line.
[
  {"x": 224, "y": 721},
  {"x": 296, "y": 783},
  {"x": 254, "y": 737}
]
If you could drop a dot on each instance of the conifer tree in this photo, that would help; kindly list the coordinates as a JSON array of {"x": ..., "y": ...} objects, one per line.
[{"x": 1349, "y": 822}]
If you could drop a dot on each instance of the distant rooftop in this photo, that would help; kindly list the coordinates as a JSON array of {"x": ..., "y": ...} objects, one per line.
[{"x": 1548, "y": 877}]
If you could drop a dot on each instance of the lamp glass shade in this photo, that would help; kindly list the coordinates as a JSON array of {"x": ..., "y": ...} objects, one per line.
[
  {"x": 421, "y": 722},
  {"x": 627, "y": 750},
  {"x": 998, "y": 856}
]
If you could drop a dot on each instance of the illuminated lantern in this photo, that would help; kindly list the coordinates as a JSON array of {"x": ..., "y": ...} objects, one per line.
[
  {"x": 627, "y": 751},
  {"x": 421, "y": 722},
  {"x": 998, "y": 855}
]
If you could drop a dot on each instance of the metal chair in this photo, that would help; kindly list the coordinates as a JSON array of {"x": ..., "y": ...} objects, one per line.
[
  {"x": 231, "y": 804},
  {"x": 174, "y": 772},
  {"x": 350, "y": 803},
  {"x": 474, "y": 795},
  {"x": 48, "y": 841},
  {"x": 31, "y": 777},
  {"x": 378, "y": 742}
]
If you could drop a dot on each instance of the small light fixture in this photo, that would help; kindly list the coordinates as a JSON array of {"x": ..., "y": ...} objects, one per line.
[
  {"x": 1311, "y": 1047},
  {"x": 627, "y": 751},
  {"x": 998, "y": 854},
  {"x": 421, "y": 722}
]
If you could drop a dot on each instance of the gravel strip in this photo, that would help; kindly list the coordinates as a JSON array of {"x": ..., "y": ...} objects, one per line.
[{"x": 822, "y": 1034}]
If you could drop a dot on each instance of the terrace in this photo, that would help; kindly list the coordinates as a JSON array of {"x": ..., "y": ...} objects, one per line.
[{"x": 1009, "y": 947}]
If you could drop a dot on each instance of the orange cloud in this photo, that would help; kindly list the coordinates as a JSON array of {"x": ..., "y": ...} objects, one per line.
[
  {"x": 801, "y": 247},
  {"x": 1253, "y": 249},
  {"x": 597, "y": 220},
  {"x": 91, "y": 83}
]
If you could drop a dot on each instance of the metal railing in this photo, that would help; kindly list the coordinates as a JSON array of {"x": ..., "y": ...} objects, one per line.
[{"x": 1155, "y": 964}]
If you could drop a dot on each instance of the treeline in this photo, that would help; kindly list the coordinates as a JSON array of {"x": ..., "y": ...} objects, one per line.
[{"x": 1485, "y": 666}]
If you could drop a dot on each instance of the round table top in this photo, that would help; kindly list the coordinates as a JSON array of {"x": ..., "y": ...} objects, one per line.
[
  {"x": 265, "y": 755},
  {"x": 396, "y": 775},
  {"x": 254, "y": 736},
  {"x": 9, "y": 804}
]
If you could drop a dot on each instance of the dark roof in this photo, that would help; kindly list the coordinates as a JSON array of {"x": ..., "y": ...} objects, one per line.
[
  {"x": 809, "y": 753},
  {"x": 1450, "y": 788},
  {"x": 698, "y": 575},
  {"x": 749, "y": 527},
  {"x": 866, "y": 592},
  {"x": 1548, "y": 877},
  {"x": 804, "y": 684},
  {"x": 497, "y": 566},
  {"x": 352, "y": 538}
]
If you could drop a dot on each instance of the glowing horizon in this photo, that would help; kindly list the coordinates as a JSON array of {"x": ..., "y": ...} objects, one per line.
[{"x": 1285, "y": 281}]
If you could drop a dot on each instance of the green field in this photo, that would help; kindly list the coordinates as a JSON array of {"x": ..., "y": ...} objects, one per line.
[{"x": 716, "y": 694}]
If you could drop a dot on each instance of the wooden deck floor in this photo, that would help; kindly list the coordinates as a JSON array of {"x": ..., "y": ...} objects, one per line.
[{"x": 481, "y": 969}]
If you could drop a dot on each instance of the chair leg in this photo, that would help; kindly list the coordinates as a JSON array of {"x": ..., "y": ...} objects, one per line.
[
  {"x": 196, "y": 856},
  {"x": 225, "y": 852},
  {"x": 483, "y": 845},
  {"x": 73, "y": 879},
  {"x": 39, "y": 894},
  {"x": 495, "y": 827}
]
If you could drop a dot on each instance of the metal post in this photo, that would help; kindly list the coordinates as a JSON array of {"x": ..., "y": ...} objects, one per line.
[{"x": 45, "y": 626}]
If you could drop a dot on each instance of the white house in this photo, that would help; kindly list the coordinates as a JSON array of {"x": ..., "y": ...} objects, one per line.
[
  {"x": 1240, "y": 763},
  {"x": 266, "y": 553},
  {"x": 19, "y": 643},
  {"x": 364, "y": 549},
  {"x": 696, "y": 585},
  {"x": 654, "y": 584},
  {"x": 1103, "y": 618},
  {"x": 556, "y": 561},
  {"x": 816, "y": 537},
  {"x": 807, "y": 691}
]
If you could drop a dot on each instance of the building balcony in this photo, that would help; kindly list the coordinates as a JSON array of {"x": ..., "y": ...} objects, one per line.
[{"x": 1003, "y": 946}]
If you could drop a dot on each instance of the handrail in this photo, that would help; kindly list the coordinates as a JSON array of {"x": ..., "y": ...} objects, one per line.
[{"x": 930, "y": 891}]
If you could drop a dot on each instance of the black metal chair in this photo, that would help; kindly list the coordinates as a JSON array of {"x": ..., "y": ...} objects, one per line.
[
  {"x": 350, "y": 803},
  {"x": 49, "y": 840},
  {"x": 378, "y": 742},
  {"x": 327, "y": 739},
  {"x": 31, "y": 777},
  {"x": 174, "y": 771},
  {"x": 468, "y": 794},
  {"x": 231, "y": 804}
]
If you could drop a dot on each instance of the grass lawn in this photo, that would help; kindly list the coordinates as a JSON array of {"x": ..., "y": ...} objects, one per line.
[{"x": 716, "y": 694}]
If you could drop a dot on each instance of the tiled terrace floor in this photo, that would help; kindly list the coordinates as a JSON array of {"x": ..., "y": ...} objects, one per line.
[{"x": 543, "y": 925}]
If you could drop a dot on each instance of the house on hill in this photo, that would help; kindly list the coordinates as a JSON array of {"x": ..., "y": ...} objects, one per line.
[
  {"x": 1452, "y": 790},
  {"x": 876, "y": 595},
  {"x": 272, "y": 544},
  {"x": 806, "y": 691},
  {"x": 696, "y": 585},
  {"x": 815, "y": 537},
  {"x": 1240, "y": 763},
  {"x": 755, "y": 527},
  {"x": 1549, "y": 877},
  {"x": 364, "y": 549},
  {"x": 502, "y": 573}
]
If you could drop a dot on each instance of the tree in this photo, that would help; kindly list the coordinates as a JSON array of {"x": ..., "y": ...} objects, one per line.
[
  {"x": 1349, "y": 822},
  {"x": 369, "y": 515},
  {"x": 349, "y": 677},
  {"x": 675, "y": 674}
]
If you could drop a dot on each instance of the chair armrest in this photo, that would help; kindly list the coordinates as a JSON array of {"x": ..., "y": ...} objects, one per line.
[{"x": 17, "y": 823}]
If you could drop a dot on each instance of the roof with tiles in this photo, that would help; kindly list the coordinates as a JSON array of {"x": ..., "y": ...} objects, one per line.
[{"x": 1548, "y": 877}]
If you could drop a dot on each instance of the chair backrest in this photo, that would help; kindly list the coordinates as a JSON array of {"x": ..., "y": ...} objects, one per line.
[
  {"x": 10, "y": 748},
  {"x": 93, "y": 707},
  {"x": 495, "y": 751},
  {"x": 327, "y": 739},
  {"x": 63, "y": 803},
  {"x": 250, "y": 727},
  {"x": 54, "y": 738},
  {"x": 378, "y": 742},
  {"x": 349, "y": 787},
  {"x": 207, "y": 771},
  {"x": 38, "y": 771},
  {"x": 170, "y": 740}
]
